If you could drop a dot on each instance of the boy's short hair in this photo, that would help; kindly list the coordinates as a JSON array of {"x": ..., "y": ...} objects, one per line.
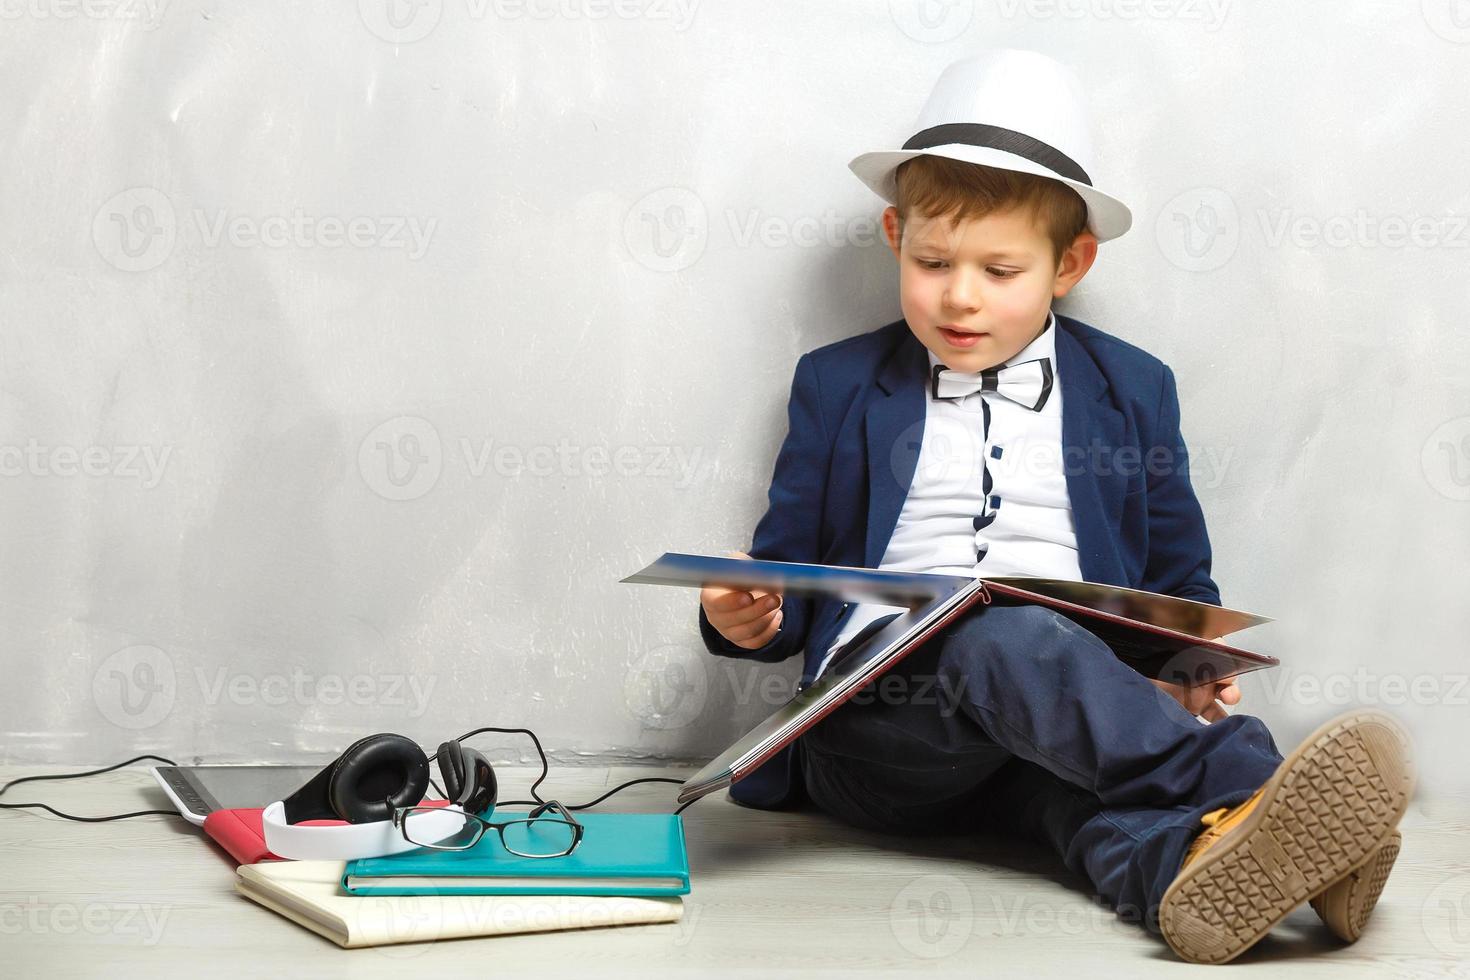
[{"x": 938, "y": 186}]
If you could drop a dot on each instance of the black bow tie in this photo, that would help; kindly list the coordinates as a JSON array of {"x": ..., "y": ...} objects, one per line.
[{"x": 1027, "y": 384}]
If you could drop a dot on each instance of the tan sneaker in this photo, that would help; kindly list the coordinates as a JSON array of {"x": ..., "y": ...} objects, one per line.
[
  {"x": 1346, "y": 904},
  {"x": 1328, "y": 808}
]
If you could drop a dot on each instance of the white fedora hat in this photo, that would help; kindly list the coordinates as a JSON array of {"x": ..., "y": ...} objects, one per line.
[{"x": 1013, "y": 110}]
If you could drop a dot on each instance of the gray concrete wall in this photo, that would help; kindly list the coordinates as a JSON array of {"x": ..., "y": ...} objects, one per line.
[{"x": 353, "y": 352}]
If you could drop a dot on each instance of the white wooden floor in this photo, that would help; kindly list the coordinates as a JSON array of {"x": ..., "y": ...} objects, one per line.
[{"x": 773, "y": 893}]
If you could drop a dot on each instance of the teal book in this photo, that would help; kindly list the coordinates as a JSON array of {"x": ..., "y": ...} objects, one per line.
[{"x": 620, "y": 854}]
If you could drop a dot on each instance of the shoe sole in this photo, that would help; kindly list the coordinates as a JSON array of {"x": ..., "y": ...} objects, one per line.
[
  {"x": 1346, "y": 904},
  {"x": 1329, "y": 805}
]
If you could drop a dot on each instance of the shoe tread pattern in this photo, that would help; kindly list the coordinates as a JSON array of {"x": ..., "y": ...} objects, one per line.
[{"x": 1334, "y": 802}]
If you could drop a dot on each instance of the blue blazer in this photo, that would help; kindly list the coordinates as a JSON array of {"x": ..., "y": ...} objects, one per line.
[{"x": 841, "y": 478}]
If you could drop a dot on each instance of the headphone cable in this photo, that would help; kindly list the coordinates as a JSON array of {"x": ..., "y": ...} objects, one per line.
[
  {"x": 77, "y": 775},
  {"x": 545, "y": 771},
  {"x": 536, "y": 799}
]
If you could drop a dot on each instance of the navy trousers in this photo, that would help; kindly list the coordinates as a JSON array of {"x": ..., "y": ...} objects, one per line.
[{"x": 1015, "y": 720}]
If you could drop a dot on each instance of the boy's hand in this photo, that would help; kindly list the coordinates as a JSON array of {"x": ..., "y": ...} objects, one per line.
[
  {"x": 747, "y": 618},
  {"x": 1204, "y": 699}
]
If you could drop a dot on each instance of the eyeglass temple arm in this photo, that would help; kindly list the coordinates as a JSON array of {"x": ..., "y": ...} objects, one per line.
[{"x": 560, "y": 809}]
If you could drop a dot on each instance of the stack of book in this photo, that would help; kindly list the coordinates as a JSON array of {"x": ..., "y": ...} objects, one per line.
[{"x": 629, "y": 868}]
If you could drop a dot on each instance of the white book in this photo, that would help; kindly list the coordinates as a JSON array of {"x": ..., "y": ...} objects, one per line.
[{"x": 310, "y": 894}]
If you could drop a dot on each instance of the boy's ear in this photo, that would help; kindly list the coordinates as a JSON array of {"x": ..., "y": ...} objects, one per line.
[
  {"x": 891, "y": 230},
  {"x": 1076, "y": 260}
]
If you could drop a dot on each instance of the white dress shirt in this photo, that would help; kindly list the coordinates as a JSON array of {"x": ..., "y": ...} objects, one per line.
[{"x": 1033, "y": 532}]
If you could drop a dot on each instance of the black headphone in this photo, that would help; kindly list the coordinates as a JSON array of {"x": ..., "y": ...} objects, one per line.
[
  {"x": 378, "y": 773},
  {"x": 400, "y": 769}
]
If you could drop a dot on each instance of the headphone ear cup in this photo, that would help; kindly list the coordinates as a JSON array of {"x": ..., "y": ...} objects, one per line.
[
  {"x": 483, "y": 791},
  {"x": 469, "y": 779},
  {"x": 375, "y": 775},
  {"x": 453, "y": 768},
  {"x": 313, "y": 801}
]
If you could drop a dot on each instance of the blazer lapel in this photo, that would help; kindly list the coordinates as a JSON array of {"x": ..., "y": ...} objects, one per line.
[
  {"x": 894, "y": 423},
  {"x": 1092, "y": 431}
]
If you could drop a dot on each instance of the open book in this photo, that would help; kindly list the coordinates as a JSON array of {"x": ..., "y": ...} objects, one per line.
[{"x": 1162, "y": 637}]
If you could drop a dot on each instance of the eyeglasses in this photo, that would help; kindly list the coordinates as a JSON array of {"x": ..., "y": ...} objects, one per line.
[{"x": 537, "y": 836}]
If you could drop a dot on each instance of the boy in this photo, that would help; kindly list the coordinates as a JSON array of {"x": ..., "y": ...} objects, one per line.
[{"x": 984, "y": 434}]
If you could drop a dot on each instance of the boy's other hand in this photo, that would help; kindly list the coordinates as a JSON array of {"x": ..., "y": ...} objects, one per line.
[
  {"x": 747, "y": 618},
  {"x": 1204, "y": 699}
]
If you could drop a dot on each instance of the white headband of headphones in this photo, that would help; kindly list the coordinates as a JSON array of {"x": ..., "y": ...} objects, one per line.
[{"x": 345, "y": 843}]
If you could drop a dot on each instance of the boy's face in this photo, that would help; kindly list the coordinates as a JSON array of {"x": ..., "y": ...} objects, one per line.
[{"x": 992, "y": 276}]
